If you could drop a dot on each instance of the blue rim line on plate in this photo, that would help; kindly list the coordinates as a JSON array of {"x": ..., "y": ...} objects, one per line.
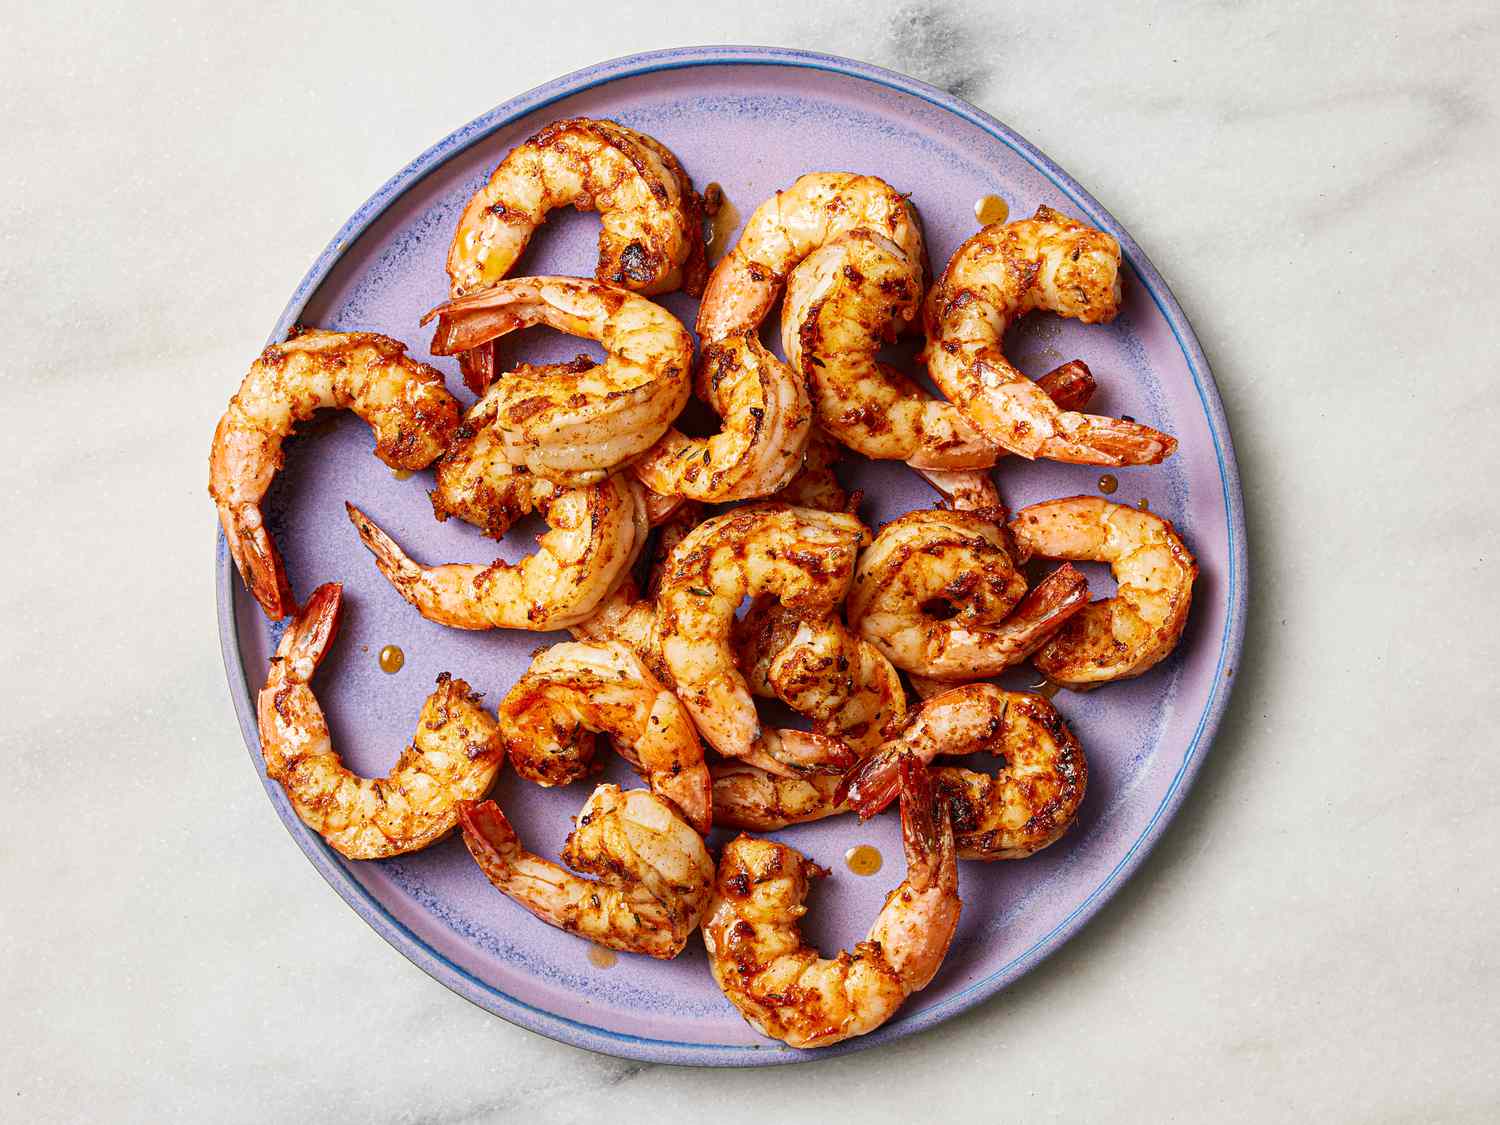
[{"x": 642, "y": 1048}]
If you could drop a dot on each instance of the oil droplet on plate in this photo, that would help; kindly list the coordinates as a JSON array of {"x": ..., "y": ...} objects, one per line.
[
  {"x": 401, "y": 474},
  {"x": 724, "y": 217},
  {"x": 601, "y": 957},
  {"x": 1144, "y": 505},
  {"x": 1108, "y": 483},
  {"x": 391, "y": 658},
  {"x": 863, "y": 859},
  {"x": 991, "y": 209}
]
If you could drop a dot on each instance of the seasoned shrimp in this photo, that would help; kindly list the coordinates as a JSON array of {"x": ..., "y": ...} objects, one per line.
[
  {"x": 779, "y": 983},
  {"x": 404, "y": 402},
  {"x": 652, "y": 236},
  {"x": 572, "y": 426},
  {"x": 845, "y": 302},
  {"x": 767, "y": 420},
  {"x": 787, "y": 228},
  {"x": 817, "y": 485},
  {"x": 654, "y": 875},
  {"x": 805, "y": 557},
  {"x": 938, "y": 593},
  {"x": 1047, "y": 262},
  {"x": 1021, "y": 809},
  {"x": 749, "y": 797},
  {"x": 571, "y": 691},
  {"x": 1122, "y": 636},
  {"x": 453, "y": 757},
  {"x": 593, "y": 537}
]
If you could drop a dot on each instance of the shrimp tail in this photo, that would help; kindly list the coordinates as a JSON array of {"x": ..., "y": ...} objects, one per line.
[
  {"x": 1049, "y": 605},
  {"x": 926, "y": 826},
  {"x": 489, "y": 837},
  {"x": 873, "y": 784},
  {"x": 310, "y": 636},
  {"x": 1069, "y": 385},
  {"x": 255, "y": 553}
]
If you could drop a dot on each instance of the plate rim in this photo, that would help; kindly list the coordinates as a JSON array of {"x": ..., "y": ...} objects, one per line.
[{"x": 641, "y": 1048}]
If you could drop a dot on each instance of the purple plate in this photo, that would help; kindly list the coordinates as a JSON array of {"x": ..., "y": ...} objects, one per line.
[{"x": 752, "y": 119}]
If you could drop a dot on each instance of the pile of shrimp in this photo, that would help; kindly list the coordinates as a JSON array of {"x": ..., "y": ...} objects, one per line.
[{"x": 698, "y": 575}]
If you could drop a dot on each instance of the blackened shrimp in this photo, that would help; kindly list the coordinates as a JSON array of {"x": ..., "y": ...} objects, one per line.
[
  {"x": 453, "y": 758},
  {"x": 404, "y": 401}
]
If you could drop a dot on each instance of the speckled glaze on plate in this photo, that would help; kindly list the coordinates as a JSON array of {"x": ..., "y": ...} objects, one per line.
[{"x": 751, "y": 119}]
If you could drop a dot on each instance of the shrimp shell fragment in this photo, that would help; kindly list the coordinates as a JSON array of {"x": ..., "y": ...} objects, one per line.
[
  {"x": 453, "y": 757},
  {"x": 779, "y": 983},
  {"x": 577, "y": 426},
  {"x": 654, "y": 876},
  {"x": 1046, "y": 262},
  {"x": 573, "y": 690},
  {"x": 1119, "y": 637},
  {"x": 405, "y": 403}
]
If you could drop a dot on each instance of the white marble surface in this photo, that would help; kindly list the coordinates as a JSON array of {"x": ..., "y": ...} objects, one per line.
[{"x": 1316, "y": 935}]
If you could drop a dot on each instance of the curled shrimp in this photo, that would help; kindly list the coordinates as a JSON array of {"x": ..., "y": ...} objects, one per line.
[
  {"x": 652, "y": 236},
  {"x": 804, "y": 557},
  {"x": 938, "y": 593},
  {"x": 767, "y": 419},
  {"x": 453, "y": 757},
  {"x": 594, "y": 535},
  {"x": 548, "y": 720},
  {"x": 1119, "y": 637},
  {"x": 404, "y": 402},
  {"x": 1046, "y": 262},
  {"x": 576, "y": 426},
  {"x": 846, "y": 301},
  {"x": 749, "y": 797},
  {"x": 781, "y": 985},
  {"x": 788, "y": 227},
  {"x": 1027, "y": 805},
  {"x": 653, "y": 874}
]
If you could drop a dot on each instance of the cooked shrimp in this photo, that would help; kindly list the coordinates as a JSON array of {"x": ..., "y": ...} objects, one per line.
[
  {"x": 779, "y": 983},
  {"x": 1122, "y": 636},
  {"x": 404, "y": 402},
  {"x": 652, "y": 236},
  {"x": 821, "y": 670},
  {"x": 574, "y": 427},
  {"x": 767, "y": 419},
  {"x": 1027, "y": 805},
  {"x": 817, "y": 485},
  {"x": 593, "y": 537},
  {"x": 653, "y": 874},
  {"x": 749, "y": 797},
  {"x": 453, "y": 757},
  {"x": 806, "y": 558},
  {"x": 787, "y": 228},
  {"x": 846, "y": 301},
  {"x": 1047, "y": 262},
  {"x": 571, "y": 691},
  {"x": 938, "y": 593}
]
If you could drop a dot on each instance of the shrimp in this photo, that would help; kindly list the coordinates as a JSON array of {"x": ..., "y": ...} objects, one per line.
[
  {"x": 575, "y": 427},
  {"x": 1047, "y": 262},
  {"x": 749, "y": 797},
  {"x": 817, "y": 485},
  {"x": 846, "y": 301},
  {"x": 787, "y": 228},
  {"x": 404, "y": 401},
  {"x": 652, "y": 236},
  {"x": 1018, "y": 811},
  {"x": 767, "y": 420},
  {"x": 1119, "y": 637},
  {"x": 806, "y": 558},
  {"x": 780, "y": 984},
  {"x": 938, "y": 593},
  {"x": 549, "y": 717},
  {"x": 654, "y": 876},
  {"x": 593, "y": 537},
  {"x": 454, "y": 756}
]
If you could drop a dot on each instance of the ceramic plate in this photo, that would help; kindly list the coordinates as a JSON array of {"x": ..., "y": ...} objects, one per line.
[{"x": 751, "y": 119}]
